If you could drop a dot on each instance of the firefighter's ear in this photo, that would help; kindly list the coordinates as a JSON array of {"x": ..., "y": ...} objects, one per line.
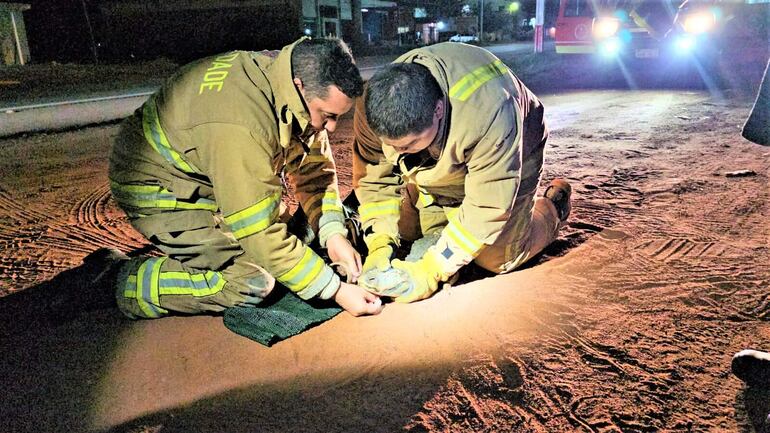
[
  {"x": 438, "y": 112},
  {"x": 298, "y": 84}
]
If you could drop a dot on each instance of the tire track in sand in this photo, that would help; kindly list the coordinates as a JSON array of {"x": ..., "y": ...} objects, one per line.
[
  {"x": 21, "y": 257},
  {"x": 90, "y": 226},
  {"x": 666, "y": 300},
  {"x": 36, "y": 245}
]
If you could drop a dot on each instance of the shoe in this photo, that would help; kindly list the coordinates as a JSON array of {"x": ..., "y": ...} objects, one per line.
[
  {"x": 559, "y": 192},
  {"x": 88, "y": 287},
  {"x": 105, "y": 256},
  {"x": 752, "y": 367}
]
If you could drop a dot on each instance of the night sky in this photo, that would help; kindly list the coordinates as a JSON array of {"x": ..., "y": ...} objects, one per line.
[{"x": 58, "y": 31}]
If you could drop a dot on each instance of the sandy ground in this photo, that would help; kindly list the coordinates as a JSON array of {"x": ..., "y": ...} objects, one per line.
[{"x": 626, "y": 324}]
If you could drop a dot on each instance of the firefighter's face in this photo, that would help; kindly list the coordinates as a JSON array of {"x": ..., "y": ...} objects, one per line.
[
  {"x": 324, "y": 113},
  {"x": 416, "y": 142}
]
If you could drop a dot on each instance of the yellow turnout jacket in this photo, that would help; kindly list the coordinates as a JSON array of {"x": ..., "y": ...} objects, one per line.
[
  {"x": 472, "y": 170},
  {"x": 220, "y": 136}
]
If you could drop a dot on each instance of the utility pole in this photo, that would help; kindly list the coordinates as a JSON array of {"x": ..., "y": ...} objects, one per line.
[
  {"x": 539, "y": 19},
  {"x": 90, "y": 32},
  {"x": 481, "y": 21},
  {"x": 16, "y": 39},
  {"x": 338, "y": 26}
]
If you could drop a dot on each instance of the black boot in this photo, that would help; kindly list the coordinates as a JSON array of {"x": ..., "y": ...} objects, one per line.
[
  {"x": 88, "y": 287},
  {"x": 559, "y": 192}
]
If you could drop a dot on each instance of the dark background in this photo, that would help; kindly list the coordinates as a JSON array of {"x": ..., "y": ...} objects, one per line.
[{"x": 58, "y": 30}]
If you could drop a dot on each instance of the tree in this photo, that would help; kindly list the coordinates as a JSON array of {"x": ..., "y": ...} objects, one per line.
[
  {"x": 357, "y": 41},
  {"x": 449, "y": 8}
]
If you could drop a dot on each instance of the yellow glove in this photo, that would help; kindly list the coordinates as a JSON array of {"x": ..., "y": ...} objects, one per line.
[
  {"x": 380, "y": 253},
  {"x": 425, "y": 275}
]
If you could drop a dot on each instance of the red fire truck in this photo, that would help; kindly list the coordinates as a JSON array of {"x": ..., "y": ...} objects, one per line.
[{"x": 638, "y": 29}]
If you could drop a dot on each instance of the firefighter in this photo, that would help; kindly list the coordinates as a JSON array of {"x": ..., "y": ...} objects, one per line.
[
  {"x": 451, "y": 130},
  {"x": 200, "y": 171},
  {"x": 753, "y": 366}
]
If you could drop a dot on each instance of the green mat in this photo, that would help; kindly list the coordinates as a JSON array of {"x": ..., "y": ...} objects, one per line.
[
  {"x": 757, "y": 128},
  {"x": 274, "y": 321}
]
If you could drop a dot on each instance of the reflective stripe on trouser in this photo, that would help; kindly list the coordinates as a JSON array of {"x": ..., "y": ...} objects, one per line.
[
  {"x": 153, "y": 287},
  {"x": 203, "y": 270}
]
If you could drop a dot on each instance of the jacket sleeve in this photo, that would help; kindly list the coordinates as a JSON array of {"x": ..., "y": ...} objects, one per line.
[
  {"x": 377, "y": 185},
  {"x": 491, "y": 186},
  {"x": 317, "y": 190},
  {"x": 240, "y": 166}
]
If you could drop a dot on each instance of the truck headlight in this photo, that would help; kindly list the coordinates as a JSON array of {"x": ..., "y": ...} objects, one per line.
[
  {"x": 699, "y": 22},
  {"x": 685, "y": 43},
  {"x": 610, "y": 47},
  {"x": 605, "y": 27}
]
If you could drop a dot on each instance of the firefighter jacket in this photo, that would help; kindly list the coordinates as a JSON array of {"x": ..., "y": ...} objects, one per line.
[
  {"x": 220, "y": 136},
  {"x": 472, "y": 171}
]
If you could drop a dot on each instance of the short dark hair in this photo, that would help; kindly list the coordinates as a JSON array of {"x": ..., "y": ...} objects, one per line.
[
  {"x": 320, "y": 63},
  {"x": 401, "y": 99}
]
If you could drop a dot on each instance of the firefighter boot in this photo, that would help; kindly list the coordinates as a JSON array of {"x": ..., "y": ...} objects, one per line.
[
  {"x": 752, "y": 367},
  {"x": 559, "y": 192},
  {"x": 90, "y": 286}
]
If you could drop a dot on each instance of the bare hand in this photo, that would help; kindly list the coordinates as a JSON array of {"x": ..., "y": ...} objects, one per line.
[
  {"x": 340, "y": 251},
  {"x": 357, "y": 301}
]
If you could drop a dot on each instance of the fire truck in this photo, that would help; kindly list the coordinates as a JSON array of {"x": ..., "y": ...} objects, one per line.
[{"x": 639, "y": 29}]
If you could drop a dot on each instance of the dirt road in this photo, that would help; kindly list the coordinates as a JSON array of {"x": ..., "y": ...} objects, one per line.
[{"x": 627, "y": 323}]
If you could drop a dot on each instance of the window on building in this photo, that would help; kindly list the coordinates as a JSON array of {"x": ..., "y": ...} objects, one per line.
[{"x": 328, "y": 11}]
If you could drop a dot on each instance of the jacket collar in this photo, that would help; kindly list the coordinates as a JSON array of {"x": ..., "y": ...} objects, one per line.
[{"x": 288, "y": 102}]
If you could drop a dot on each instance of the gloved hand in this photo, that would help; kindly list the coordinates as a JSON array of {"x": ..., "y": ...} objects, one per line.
[
  {"x": 380, "y": 252},
  {"x": 424, "y": 274}
]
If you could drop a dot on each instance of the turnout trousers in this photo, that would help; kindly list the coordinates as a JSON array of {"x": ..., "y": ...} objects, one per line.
[{"x": 203, "y": 268}]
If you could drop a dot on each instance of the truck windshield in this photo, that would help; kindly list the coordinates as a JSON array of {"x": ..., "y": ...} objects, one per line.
[
  {"x": 578, "y": 8},
  {"x": 587, "y": 8}
]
